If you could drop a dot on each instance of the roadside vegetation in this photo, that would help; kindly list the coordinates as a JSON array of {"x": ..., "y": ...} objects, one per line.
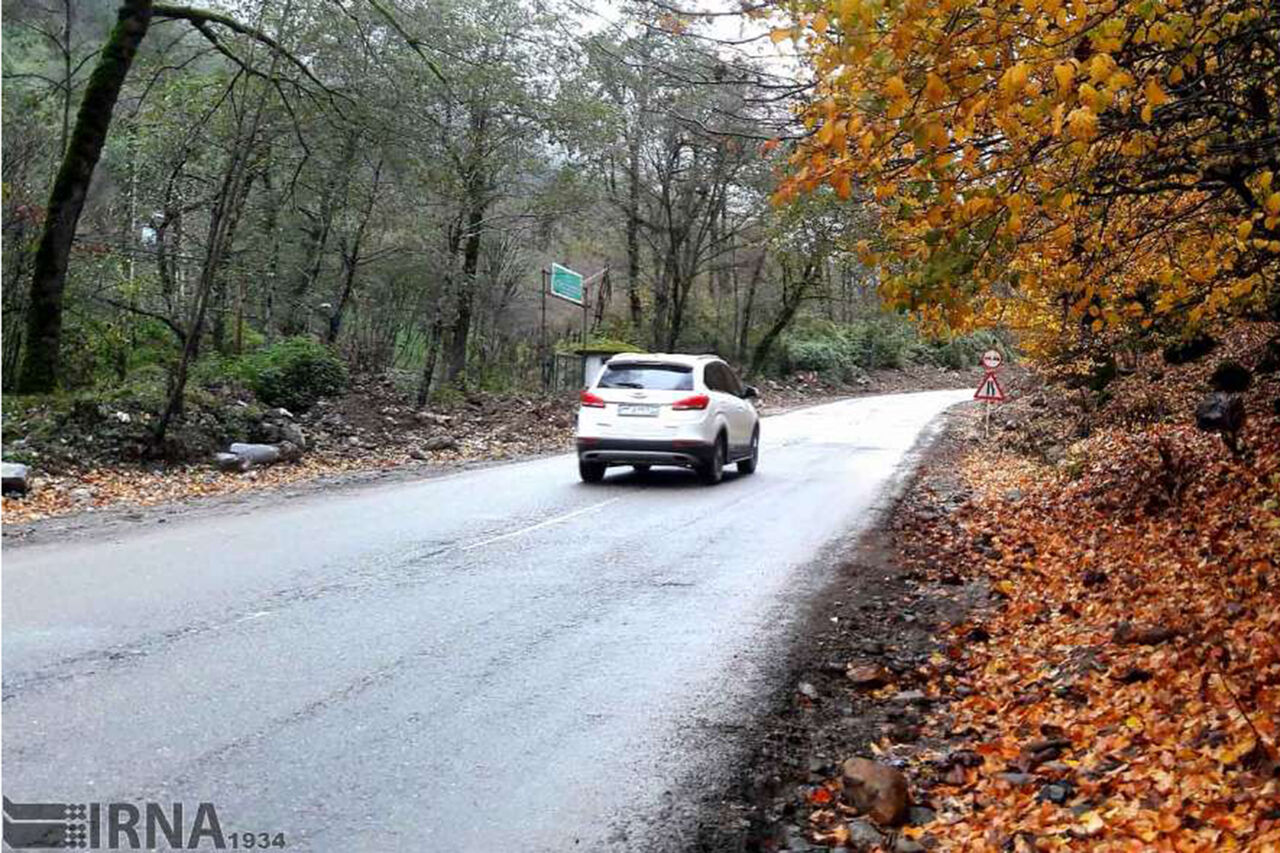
[{"x": 324, "y": 232}]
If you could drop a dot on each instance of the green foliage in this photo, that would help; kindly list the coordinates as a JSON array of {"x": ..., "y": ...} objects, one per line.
[
  {"x": 293, "y": 373},
  {"x": 840, "y": 352},
  {"x": 613, "y": 345},
  {"x": 447, "y": 397}
]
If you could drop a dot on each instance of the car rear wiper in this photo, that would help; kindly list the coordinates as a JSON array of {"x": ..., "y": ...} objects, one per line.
[{"x": 623, "y": 385}]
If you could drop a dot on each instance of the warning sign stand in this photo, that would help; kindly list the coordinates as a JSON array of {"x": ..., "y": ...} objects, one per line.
[{"x": 989, "y": 391}]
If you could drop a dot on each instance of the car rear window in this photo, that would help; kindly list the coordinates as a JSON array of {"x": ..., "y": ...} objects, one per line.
[{"x": 653, "y": 377}]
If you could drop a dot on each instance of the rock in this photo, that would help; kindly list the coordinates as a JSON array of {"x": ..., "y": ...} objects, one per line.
[
  {"x": 867, "y": 675},
  {"x": 81, "y": 494},
  {"x": 353, "y": 441},
  {"x": 1129, "y": 634},
  {"x": 440, "y": 442},
  {"x": 1093, "y": 577},
  {"x": 293, "y": 434},
  {"x": 808, "y": 690},
  {"x": 1220, "y": 412},
  {"x": 1018, "y": 780},
  {"x": 1013, "y": 495},
  {"x": 282, "y": 412},
  {"x": 289, "y": 452},
  {"x": 418, "y": 454},
  {"x": 911, "y": 697},
  {"x": 978, "y": 634},
  {"x": 921, "y": 816},
  {"x": 864, "y": 836},
  {"x": 257, "y": 454},
  {"x": 1134, "y": 675},
  {"x": 15, "y": 477},
  {"x": 123, "y": 417},
  {"x": 908, "y": 845},
  {"x": 795, "y": 840},
  {"x": 964, "y": 758},
  {"x": 877, "y": 790},
  {"x": 1057, "y": 793}
]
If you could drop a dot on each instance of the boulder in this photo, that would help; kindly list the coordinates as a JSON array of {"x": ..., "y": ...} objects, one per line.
[
  {"x": 1220, "y": 412},
  {"x": 16, "y": 478},
  {"x": 292, "y": 433},
  {"x": 876, "y": 790},
  {"x": 864, "y": 836},
  {"x": 867, "y": 675},
  {"x": 440, "y": 442},
  {"x": 289, "y": 452},
  {"x": 1130, "y": 634}
]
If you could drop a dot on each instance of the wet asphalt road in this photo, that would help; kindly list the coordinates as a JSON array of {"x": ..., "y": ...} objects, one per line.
[{"x": 500, "y": 659}]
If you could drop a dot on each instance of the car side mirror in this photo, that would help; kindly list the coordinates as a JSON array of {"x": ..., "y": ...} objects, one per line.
[{"x": 751, "y": 392}]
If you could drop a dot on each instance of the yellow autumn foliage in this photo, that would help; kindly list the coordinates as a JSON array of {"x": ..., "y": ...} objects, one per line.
[{"x": 1073, "y": 168}]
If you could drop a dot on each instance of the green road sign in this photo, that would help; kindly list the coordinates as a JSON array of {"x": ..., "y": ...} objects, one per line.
[{"x": 566, "y": 283}]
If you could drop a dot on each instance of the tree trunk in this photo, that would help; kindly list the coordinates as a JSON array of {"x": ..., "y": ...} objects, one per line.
[
  {"x": 429, "y": 364},
  {"x": 297, "y": 316},
  {"x": 744, "y": 324},
  {"x": 633, "y": 231},
  {"x": 454, "y": 374},
  {"x": 351, "y": 260},
  {"x": 190, "y": 351},
  {"x": 40, "y": 367},
  {"x": 789, "y": 308}
]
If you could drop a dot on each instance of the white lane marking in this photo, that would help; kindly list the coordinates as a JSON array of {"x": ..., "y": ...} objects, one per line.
[{"x": 541, "y": 524}]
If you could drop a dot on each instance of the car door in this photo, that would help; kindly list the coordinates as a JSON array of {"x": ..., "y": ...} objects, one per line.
[
  {"x": 721, "y": 399},
  {"x": 743, "y": 411},
  {"x": 731, "y": 403}
]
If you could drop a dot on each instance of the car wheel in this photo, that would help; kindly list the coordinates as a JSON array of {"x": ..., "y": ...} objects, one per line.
[
  {"x": 748, "y": 465},
  {"x": 591, "y": 472},
  {"x": 713, "y": 471}
]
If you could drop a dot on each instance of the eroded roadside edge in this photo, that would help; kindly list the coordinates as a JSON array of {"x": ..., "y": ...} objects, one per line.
[{"x": 877, "y": 611}]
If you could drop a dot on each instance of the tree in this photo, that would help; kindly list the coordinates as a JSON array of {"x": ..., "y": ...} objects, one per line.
[
  {"x": 1068, "y": 168},
  {"x": 39, "y": 371}
]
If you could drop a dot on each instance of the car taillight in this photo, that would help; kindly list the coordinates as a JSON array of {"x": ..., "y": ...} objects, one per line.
[
  {"x": 590, "y": 400},
  {"x": 697, "y": 401}
]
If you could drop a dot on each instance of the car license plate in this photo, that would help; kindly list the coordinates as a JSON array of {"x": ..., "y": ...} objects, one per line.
[{"x": 637, "y": 410}]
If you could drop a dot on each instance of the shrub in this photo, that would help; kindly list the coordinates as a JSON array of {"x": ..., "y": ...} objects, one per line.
[
  {"x": 1189, "y": 349},
  {"x": 1231, "y": 376},
  {"x": 295, "y": 372}
]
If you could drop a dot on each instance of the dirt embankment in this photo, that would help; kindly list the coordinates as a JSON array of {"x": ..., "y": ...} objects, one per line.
[{"x": 1064, "y": 635}]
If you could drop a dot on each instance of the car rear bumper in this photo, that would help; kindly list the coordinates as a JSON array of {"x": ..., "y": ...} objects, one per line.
[{"x": 630, "y": 451}]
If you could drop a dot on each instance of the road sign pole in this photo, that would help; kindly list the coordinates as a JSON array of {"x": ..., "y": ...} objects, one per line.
[
  {"x": 584, "y": 315},
  {"x": 542, "y": 340}
]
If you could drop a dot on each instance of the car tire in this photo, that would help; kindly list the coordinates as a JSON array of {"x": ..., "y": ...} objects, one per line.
[
  {"x": 713, "y": 471},
  {"x": 591, "y": 472},
  {"x": 749, "y": 465}
]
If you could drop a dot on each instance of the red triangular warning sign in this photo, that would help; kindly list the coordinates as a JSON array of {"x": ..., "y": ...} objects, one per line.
[{"x": 989, "y": 389}]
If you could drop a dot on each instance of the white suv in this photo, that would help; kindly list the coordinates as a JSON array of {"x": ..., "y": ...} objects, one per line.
[{"x": 659, "y": 409}]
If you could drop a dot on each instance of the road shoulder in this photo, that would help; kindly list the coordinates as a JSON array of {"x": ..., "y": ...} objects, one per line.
[{"x": 879, "y": 620}]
